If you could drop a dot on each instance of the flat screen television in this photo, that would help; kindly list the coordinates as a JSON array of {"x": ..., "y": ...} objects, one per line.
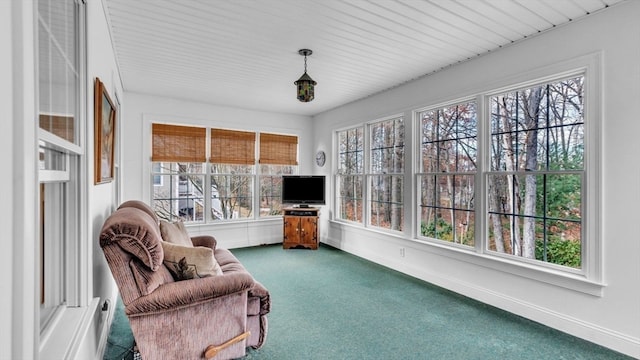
[{"x": 303, "y": 190}]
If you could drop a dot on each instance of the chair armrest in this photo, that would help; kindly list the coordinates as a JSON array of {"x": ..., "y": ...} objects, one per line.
[
  {"x": 186, "y": 293},
  {"x": 204, "y": 240},
  {"x": 258, "y": 290}
]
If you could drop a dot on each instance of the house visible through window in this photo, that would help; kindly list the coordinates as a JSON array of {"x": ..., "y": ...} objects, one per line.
[{"x": 178, "y": 162}]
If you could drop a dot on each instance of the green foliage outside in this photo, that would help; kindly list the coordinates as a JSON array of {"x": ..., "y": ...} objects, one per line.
[
  {"x": 561, "y": 252},
  {"x": 444, "y": 231}
]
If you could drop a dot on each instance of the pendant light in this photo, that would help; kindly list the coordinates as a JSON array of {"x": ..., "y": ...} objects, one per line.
[{"x": 305, "y": 83}]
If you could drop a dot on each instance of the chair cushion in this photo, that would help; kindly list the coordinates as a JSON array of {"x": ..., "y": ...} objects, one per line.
[
  {"x": 188, "y": 262},
  {"x": 175, "y": 233}
]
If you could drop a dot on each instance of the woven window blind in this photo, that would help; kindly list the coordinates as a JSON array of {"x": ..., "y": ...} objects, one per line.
[
  {"x": 278, "y": 149},
  {"x": 62, "y": 126},
  {"x": 233, "y": 147},
  {"x": 173, "y": 143}
]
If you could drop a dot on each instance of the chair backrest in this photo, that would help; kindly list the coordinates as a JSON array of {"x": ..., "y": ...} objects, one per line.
[
  {"x": 142, "y": 206},
  {"x": 131, "y": 241}
]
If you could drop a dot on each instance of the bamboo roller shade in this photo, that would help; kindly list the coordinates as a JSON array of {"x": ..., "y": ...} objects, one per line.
[
  {"x": 233, "y": 147},
  {"x": 278, "y": 149},
  {"x": 173, "y": 143},
  {"x": 62, "y": 126}
]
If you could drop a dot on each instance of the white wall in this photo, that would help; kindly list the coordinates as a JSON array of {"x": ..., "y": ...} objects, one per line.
[
  {"x": 142, "y": 110},
  {"x": 18, "y": 298},
  {"x": 611, "y": 317},
  {"x": 102, "y": 199}
]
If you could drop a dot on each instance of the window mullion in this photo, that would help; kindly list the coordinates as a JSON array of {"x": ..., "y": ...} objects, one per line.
[{"x": 483, "y": 128}]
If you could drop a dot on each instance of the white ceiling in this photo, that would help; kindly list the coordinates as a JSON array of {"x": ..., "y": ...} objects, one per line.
[{"x": 244, "y": 53}]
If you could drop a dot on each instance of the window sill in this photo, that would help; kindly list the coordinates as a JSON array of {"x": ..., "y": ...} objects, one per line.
[
  {"x": 567, "y": 280},
  {"x": 233, "y": 223},
  {"x": 63, "y": 338},
  {"x": 572, "y": 281}
]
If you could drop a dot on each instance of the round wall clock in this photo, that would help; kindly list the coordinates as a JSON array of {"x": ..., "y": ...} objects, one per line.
[{"x": 320, "y": 158}]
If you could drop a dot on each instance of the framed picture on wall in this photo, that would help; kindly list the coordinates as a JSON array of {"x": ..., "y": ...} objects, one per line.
[{"x": 105, "y": 132}]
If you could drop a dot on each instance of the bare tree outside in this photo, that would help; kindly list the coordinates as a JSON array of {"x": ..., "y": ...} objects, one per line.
[
  {"x": 387, "y": 174},
  {"x": 535, "y": 182},
  {"x": 448, "y": 167},
  {"x": 231, "y": 191},
  {"x": 350, "y": 174}
]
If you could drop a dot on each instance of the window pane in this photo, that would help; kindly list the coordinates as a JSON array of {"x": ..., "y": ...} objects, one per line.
[
  {"x": 231, "y": 191},
  {"x": 449, "y": 138},
  {"x": 563, "y": 196},
  {"x": 178, "y": 191},
  {"x": 58, "y": 68},
  {"x": 231, "y": 197},
  {"x": 447, "y": 188},
  {"x": 350, "y": 151},
  {"x": 52, "y": 249},
  {"x": 50, "y": 159},
  {"x": 387, "y": 147},
  {"x": 447, "y": 208},
  {"x": 271, "y": 188},
  {"x": 386, "y": 201},
  {"x": 537, "y": 141},
  {"x": 350, "y": 198}
]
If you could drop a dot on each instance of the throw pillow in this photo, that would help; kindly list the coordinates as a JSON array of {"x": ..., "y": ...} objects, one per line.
[
  {"x": 175, "y": 233},
  {"x": 188, "y": 262}
]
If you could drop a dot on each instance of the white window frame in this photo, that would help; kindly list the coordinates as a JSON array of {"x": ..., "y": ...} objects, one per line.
[
  {"x": 368, "y": 173},
  {"x": 588, "y": 279},
  {"x": 149, "y": 173},
  {"x": 337, "y": 175},
  {"x": 418, "y": 171},
  {"x": 72, "y": 215}
]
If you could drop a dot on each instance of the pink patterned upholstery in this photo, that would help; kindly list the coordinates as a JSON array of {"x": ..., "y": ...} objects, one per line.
[{"x": 178, "y": 320}]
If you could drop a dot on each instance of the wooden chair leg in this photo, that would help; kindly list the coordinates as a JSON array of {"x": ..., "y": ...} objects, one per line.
[{"x": 213, "y": 350}]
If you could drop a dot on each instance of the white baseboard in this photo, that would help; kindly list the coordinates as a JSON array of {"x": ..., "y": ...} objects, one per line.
[
  {"x": 105, "y": 327},
  {"x": 591, "y": 332}
]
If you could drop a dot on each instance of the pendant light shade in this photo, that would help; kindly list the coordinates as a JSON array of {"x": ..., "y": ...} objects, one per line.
[{"x": 305, "y": 84}]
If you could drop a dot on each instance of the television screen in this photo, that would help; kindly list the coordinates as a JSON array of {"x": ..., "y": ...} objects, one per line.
[{"x": 303, "y": 190}]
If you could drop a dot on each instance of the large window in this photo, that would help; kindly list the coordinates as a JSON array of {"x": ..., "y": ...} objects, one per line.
[
  {"x": 382, "y": 184},
  {"x": 536, "y": 177},
  {"x": 500, "y": 174},
  {"x": 278, "y": 157},
  {"x": 532, "y": 179},
  {"x": 232, "y": 161},
  {"x": 448, "y": 156},
  {"x": 349, "y": 178},
  {"x": 178, "y": 156},
  {"x": 188, "y": 187},
  {"x": 60, "y": 109},
  {"x": 386, "y": 174}
]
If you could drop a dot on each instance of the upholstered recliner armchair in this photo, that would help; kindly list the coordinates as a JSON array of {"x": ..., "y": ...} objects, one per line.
[{"x": 208, "y": 317}]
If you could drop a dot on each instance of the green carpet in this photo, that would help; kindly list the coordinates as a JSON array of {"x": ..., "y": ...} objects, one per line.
[
  {"x": 328, "y": 304},
  {"x": 120, "y": 342}
]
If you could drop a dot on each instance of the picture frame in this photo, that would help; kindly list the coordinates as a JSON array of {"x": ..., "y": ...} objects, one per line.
[{"x": 105, "y": 133}]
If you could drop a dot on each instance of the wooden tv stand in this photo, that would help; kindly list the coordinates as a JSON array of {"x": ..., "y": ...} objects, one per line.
[{"x": 301, "y": 228}]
